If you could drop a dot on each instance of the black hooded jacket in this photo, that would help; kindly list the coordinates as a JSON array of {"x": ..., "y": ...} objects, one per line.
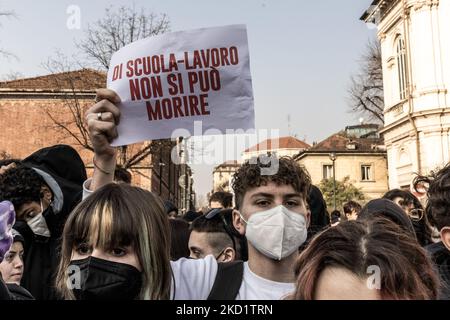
[
  {"x": 18, "y": 293},
  {"x": 319, "y": 214},
  {"x": 63, "y": 171},
  {"x": 4, "y": 293},
  {"x": 441, "y": 258}
]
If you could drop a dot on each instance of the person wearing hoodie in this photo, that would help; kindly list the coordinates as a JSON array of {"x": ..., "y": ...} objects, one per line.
[
  {"x": 12, "y": 266},
  {"x": 43, "y": 188}
]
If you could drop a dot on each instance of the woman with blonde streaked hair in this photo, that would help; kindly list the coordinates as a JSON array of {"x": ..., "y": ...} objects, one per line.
[{"x": 115, "y": 246}]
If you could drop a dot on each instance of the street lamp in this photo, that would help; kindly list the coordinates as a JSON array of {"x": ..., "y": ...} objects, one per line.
[{"x": 333, "y": 158}]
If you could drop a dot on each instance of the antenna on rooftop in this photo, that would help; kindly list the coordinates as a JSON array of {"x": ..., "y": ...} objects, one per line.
[{"x": 289, "y": 124}]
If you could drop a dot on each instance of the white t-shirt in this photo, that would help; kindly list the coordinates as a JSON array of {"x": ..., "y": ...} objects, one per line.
[{"x": 194, "y": 280}]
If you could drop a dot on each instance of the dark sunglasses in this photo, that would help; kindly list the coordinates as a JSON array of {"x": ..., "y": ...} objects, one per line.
[{"x": 226, "y": 226}]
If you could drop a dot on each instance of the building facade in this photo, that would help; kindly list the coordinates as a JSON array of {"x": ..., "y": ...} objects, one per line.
[
  {"x": 359, "y": 154},
  {"x": 415, "y": 44},
  {"x": 223, "y": 175},
  {"x": 39, "y": 112}
]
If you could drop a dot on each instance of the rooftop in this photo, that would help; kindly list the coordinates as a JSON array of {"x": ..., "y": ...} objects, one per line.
[
  {"x": 340, "y": 142},
  {"x": 279, "y": 143},
  {"x": 78, "y": 80},
  {"x": 377, "y": 9}
]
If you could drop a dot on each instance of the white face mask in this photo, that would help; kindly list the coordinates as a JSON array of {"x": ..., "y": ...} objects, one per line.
[
  {"x": 38, "y": 224},
  {"x": 276, "y": 233}
]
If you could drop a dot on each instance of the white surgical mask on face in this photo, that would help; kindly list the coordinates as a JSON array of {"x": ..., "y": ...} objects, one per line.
[
  {"x": 38, "y": 224},
  {"x": 276, "y": 233}
]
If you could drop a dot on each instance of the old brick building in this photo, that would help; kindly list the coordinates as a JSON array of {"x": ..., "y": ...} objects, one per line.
[{"x": 47, "y": 110}]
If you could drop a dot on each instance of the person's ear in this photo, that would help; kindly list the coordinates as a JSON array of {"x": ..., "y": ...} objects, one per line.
[
  {"x": 228, "y": 255},
  {"x": 238, "y": 222},
  {"x": 445, "y": 236},
  {"x": 308, "y": 215},
  {"x": 46, "y": 194}
]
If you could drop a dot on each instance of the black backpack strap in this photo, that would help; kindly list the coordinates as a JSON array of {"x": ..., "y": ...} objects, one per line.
[{"x": 228, "y": 281}]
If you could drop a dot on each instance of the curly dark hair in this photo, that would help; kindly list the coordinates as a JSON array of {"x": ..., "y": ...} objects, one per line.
[
  {"x": 289, "y": 172},
  {"x": 350, "y": 206},
  {"x": 438, "y": 205},
  {"x": 21, "y": 185}
]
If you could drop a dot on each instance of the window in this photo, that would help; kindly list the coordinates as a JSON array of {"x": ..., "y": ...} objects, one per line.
[
  {"x": 366, "y": 173},
  {"x": 401, "y": 67},
  {"x": 327, "y": 171}
]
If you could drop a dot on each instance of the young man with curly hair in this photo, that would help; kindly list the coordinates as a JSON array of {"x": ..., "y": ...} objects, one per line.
[
  {"x": 271, "y": 211},
  {"x": 43, "y": 188}
]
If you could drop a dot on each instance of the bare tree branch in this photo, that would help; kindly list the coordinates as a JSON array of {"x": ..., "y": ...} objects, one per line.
[
  {"x": 4, "y": 52},
  {"x": 117, "y": 29},
  {"x": 366, "y": 89}
]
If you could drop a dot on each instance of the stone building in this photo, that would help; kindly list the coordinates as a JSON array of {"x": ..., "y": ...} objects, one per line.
[
  {"x": 223, "y": 174},
  {"x": 415, "y": 45}
]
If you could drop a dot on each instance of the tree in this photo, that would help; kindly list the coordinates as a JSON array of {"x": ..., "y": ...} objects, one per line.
[
  {"x": 4, "y": 155},
  {"x": 345, "y": 191},
  {"x": 76, "y": 94},
  {"x": 4, "y": 52},
  {"x": 117, "y": 29},
  {"x": 12, "y": 75},
  {"x": 366, "y": 89}
]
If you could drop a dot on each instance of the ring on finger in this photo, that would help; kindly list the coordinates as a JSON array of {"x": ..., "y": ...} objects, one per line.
[{"x": 99, "y": 116}]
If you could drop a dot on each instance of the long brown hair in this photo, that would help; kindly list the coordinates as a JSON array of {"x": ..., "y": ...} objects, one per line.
[
  {"x": 406, "y": 271},
  {"x": 122, "y": 215}
]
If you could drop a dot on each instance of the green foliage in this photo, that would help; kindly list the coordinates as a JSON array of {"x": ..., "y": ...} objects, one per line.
[{"x": 345, "y": 191}]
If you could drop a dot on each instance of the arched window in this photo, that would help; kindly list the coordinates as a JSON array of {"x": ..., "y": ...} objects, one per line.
[{"x": 401, "y": 67}]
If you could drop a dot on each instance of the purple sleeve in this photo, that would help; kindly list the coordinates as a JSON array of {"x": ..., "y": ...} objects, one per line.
[{"x": 7, "y": 219}]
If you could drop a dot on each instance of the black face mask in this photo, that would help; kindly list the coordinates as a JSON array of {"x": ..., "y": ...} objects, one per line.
[{"x": 106, "y": 280}]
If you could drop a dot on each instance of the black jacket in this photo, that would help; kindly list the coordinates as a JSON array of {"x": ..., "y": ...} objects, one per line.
[
  {"x": 441, "y": 258},
  {"x": 18, "y": 293},
  {"x": 4, "y": 293},
  {"x": 63, "y": 171}
]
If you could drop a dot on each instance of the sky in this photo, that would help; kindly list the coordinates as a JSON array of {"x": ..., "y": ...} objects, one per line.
[{"x": 302, "y": 55}]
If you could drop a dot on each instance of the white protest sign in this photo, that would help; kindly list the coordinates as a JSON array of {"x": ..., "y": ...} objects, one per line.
[{"x": 168, "y": 82}]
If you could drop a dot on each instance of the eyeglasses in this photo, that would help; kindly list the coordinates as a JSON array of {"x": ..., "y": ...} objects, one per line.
[
  {"x": 212, "y": 213},
  {"x": 416, "y": 214}
]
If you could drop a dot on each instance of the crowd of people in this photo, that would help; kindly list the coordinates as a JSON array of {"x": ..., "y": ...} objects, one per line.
[{"x": 64, "y": 236}]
